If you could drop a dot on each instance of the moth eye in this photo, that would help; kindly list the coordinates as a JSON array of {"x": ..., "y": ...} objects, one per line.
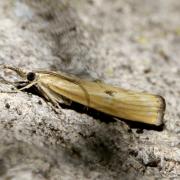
[{"x": 31, "y": 76}]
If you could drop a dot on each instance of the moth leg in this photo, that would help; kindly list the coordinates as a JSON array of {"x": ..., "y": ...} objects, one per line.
[
  {"x": 19, "y": 90},
  {"x": 66, "y": 101},
  {"x": 52, "y": 97},
  {"x": 48, "y": 96},
  {"x": 97, "y": 81},
  {"x": 28, "y": 86},
  {"x": 61, "y": 99},
  {"x": 123, "y": 124}
]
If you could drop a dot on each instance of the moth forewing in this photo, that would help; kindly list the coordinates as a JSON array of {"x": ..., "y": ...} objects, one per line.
[
  {"x": 118, "y": 102},
  {"x": 135, "y": 106}
]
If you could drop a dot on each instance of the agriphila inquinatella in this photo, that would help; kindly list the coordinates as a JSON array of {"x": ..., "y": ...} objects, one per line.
[{"x": 57, "y": 87}]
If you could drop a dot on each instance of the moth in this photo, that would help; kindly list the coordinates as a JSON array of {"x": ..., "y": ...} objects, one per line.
[{"x": 58, "y": 87}]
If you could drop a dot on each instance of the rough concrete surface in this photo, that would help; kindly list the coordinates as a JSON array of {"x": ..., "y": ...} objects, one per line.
[{"x": 134, "y": 44}]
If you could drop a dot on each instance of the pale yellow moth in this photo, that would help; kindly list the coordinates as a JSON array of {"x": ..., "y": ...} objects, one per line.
[{"x": 57, "y": 87}]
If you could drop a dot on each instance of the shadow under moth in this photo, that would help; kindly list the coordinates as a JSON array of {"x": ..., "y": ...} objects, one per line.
[{"x": 58, "y": 87}]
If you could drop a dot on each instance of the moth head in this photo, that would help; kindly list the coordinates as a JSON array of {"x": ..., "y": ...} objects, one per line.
[{"x": 28, "y": 78}]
